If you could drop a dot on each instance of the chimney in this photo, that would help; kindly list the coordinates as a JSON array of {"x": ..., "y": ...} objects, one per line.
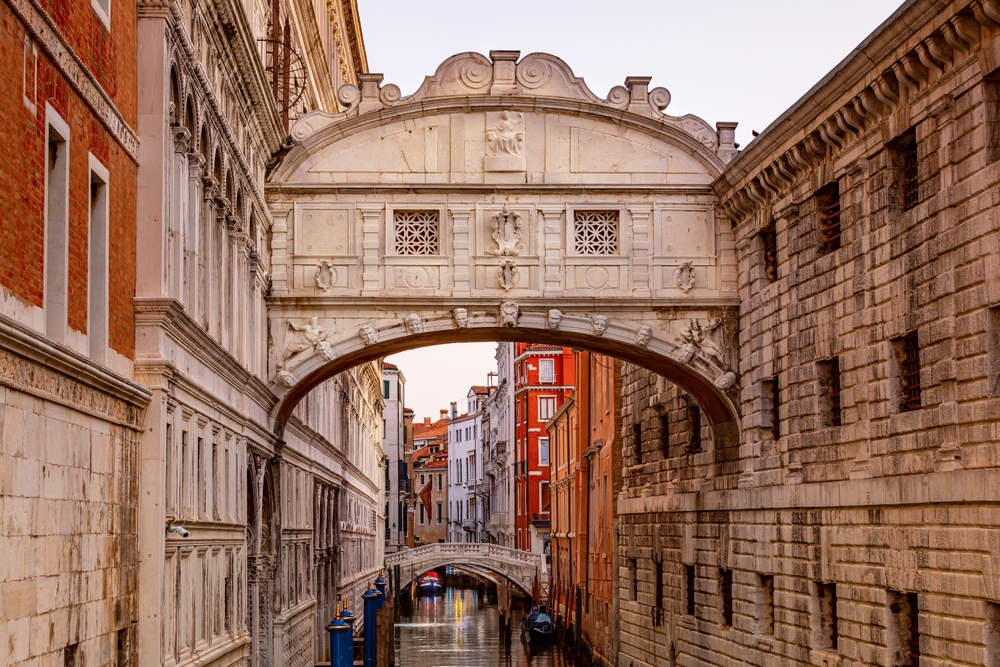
[
  {"x": 444, "y": 414},
  {"x": 427, "y": 421},
  {"x": 454, "y": 409}
]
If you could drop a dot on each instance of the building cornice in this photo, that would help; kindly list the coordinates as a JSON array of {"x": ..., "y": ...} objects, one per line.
[
  {"x": 355, "y": 38},
  {"x": 72, "y": 68}
]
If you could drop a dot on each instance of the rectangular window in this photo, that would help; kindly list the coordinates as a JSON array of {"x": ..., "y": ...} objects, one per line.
[
  {"x": 665, "y": 434},
  {"x": 637, "y": 438},
  {"x": 170, "y": 474},
  {"x": 765, "y": 604},
  {"x": 440, "y": 482},
  {"x": 991, "y": 84},
  {"x": 595, "y": 232},
  {"x": 992, "y": 634},
  {"x": 421, "y": 512},
  {"x": 202, "y": 507},
  {"x": 907, "y": 354},
  {"x": 993, "y": 350},
  {"x": 771, "y": 393},
  {"x": 546, "y": 370},
  {"x": 904, "y": 629},
  {"x": 546, "y": 407},
  {"x": 385, "y": 388},
  {"x": 544, "y": 498},
  {"x": 829, "y": 391},
  {"x": 828, "y": 209},
  {"x": 97, "y": 307},
  {"x": 103, "y": 10},
  {"x": 658, "y": 567},
  {"x": 216, "y": 486},
  {"x": 633, "y": 576},
  {"x": 421, "y": 480},
  {"x": 905, "y": 162},
  {"x": 694, "y": 422},
  {"x": 826, "y": 607},
  {"x": 417, "y": 233},
  {"x": 56, "y": 226},
  {"x": 689, "y": 589},
  {"x": 726, "y": 589},
  {"x": 440, "y": 512},
  {"x": 543, "y": 451},
  {"x": 769, "y": 252}
]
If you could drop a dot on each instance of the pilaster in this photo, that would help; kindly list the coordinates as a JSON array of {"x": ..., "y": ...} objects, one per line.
[
  {"x": 371, "y": 275},
  {"x": 552, "y": 249}
]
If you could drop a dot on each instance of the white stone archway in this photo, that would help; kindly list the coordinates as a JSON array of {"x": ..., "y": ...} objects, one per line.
[
  {"x": 503, "y": 201},
  {"x": 521, "y": 568}
]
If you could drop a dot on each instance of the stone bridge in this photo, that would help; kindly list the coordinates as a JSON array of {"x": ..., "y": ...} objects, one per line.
[{"x": 519, "y": 567}]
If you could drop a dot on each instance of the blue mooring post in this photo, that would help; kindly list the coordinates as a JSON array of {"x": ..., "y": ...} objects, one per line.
[
  {"x": 339, "y": 632},
  {"x": 380, "y": 585},
  {"x": 371, "y": 598},
  {"x": 347, "y": 651}
]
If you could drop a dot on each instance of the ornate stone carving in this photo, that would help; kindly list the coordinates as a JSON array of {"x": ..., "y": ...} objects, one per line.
[
  {"x": 554, "y": 318},
  {"x": 698, "y": 338},
  {"x": 599, "y": 324},
  {"x": 368, "y": 335},
  {"x": 506, "y": 232},
  {"x": 643, "y": 336},
  {"x": 507, "y": 275},
  {"x": 684, "y": 277},
  {"x": 311, "y": 335},
  {"x": 326, "y": 275},
  {"x": 505, "y": 143},
  {"x": 286, "y": 379},
  {"x": 413, "y": 324},
  {"x": 461, "y": 317},
  {"x": 509, "y": 314},
  {"x": 725, "y": 381}
]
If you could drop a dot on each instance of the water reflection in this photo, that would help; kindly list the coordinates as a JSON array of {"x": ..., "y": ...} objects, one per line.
[{"x": 458, "y": 629}]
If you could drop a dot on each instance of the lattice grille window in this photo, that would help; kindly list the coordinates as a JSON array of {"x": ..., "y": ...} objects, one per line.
[
  {"x": 596, "y": 233},
  {"x": 417, "y": 233}
]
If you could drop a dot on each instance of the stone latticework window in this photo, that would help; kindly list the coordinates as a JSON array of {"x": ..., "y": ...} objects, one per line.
[
  {"x": 417, "y": 233},
  {"x": 595, "y": 233}
]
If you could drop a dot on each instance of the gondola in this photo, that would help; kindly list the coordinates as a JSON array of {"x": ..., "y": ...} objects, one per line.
[
  {"x": 536, "y": 627},
  {"x": 429, "y": 585}
]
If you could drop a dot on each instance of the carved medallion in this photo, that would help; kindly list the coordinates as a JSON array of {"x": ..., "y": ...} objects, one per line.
[
  {"x": 506, "y": 232},
  {"x": 326, "y": 275},
  {"x": 684, "y": 277}
]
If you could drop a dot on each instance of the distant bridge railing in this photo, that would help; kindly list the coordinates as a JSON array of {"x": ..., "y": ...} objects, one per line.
[{"x": 519, "y": 567}]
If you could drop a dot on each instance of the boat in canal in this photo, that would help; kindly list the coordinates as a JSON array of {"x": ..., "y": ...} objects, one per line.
[
  {"x": 429, "y": 584},
  {"x": 536, "y": 627}
]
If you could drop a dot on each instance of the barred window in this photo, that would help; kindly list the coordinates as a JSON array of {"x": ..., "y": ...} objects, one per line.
[
  {"x": 904, "y": 157},
  {"x": 828, "y": 622},
  {"x": 828, "y": 207},
  {"x": 771, "y": 393},
  {"x": 417, "y": 233},
  {"x": 694, "y": 423},
  {"x": 769, "y": 252},
  {"x": 908, "y": 354},
  {"x": 829, "y": 376},
  {"x": 726, "y": 586},
  {"x": 596, "y": 232},
  {"x": 689, "y": 589}
]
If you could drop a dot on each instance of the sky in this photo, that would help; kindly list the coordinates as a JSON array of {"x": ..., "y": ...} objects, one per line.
[{"x": 724, "y": 60}]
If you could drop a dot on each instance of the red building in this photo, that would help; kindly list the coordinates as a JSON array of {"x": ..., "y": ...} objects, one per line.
[{"x": 544, "y": 377}]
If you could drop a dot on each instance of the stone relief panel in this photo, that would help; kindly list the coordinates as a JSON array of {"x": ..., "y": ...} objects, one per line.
[
  {"x": 504, "y": 141},
  {"x": 683, "y": 233},
  {"x": 324, "y": 231}
]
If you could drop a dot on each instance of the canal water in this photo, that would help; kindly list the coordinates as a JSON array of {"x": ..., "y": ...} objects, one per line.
[{"x": 459, "y": 629}]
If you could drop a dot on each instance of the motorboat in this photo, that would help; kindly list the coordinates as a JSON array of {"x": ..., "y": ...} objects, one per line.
[{"x": 430, "y": 584}]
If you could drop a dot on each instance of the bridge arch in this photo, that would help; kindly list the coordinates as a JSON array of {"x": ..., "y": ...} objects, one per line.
[
  {"x": 503, "y": 200},
  {"x": 520, "y": 568}
]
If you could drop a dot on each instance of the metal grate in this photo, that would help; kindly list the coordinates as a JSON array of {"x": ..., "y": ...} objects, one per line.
[
  {"x": 694, "y": 420},
  {"x": 595, "y": 233},
  {"x": 909, "y": 167},
  {"x": 911, "y": 373},
  {"x": 828, "y": 206},
  {"x": 828, "y": 610},
  {"x": 913, "y": 623},
  {"x": 833, "y": 386},
  {"x": 774, "y": 396},
  {"x": 665, "y": 435},
  {"x": 689, "y": 579},
  {"x": 726, "y": 582},
  {"x": 417, "y": 233},
  {"x": 769, "y": 250}
]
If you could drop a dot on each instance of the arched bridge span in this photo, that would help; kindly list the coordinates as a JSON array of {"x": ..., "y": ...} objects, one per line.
[{"x": 519, "y": 567}]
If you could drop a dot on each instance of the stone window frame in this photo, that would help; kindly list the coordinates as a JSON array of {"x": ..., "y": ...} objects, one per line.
[
  {"x": 828, "y": 394},
  {"x": 103, "y": 10},
  {"x": 991, "y": 98},
  {"x": 56, "y": 246},
  {"x": 98, "y": 265},
  {"x": 824, "y": 619},
  {"x": 904, "y": 161},
  {"x": 901, "y": 395},
  {"x": 765, "y": 603},
  {"x": 443, "y": 250},
  {"x": 829, "y": 223},
  {"x": 767, "y": 241},
  {"x": 596, "y": 207}
]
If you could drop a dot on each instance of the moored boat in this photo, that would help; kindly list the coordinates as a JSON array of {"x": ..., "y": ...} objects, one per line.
[{"x": 429, "y": 584}]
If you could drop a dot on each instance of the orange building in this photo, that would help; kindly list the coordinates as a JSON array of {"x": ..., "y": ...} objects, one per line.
[
  {"x": 586, "y": 476},
  {"x": 543, "y": 381},
  {"x": 429, "y": 477}
]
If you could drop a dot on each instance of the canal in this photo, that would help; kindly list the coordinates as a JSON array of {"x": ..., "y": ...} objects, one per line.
[{"x": 459, "y": 629}]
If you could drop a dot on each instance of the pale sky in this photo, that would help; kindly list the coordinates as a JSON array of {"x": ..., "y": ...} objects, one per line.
[{"x": 723, "y": 60}]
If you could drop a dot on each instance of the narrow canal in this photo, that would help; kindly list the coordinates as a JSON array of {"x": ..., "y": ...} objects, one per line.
[{"x": 459, "y": 629}]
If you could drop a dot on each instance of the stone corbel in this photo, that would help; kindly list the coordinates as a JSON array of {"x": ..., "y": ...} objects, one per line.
[
  {"x": 927, "y": 60},
  {"x": 182, "y": 139},
  {"x": 903, "y": 78},
  {"x": 915, "y": 70},
  {"x": 885, "y": 92},
  {"x": 954, "y": 40},
  {"x": 987, "y": 13},
  {"x": 789, "y": 213}
]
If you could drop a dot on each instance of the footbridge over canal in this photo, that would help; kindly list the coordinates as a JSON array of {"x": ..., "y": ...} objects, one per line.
[{"x": 520, "y": 568}]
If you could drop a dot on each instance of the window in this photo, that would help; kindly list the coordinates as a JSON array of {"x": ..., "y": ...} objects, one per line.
[
  {"x": 543, "y": 451},
  {"x": 826, "y": 608},
  {"x": 828, "y": 209},
  {"x": 103, "y": 10},
  {"x": 907, "y": 353},
  {"x": 385, "y": 388},
  {"x": 421, "y": 479},
  {"x": 769, "y": 252},
  {"x": 694, "y": 422},
  {"x": 726, "y": 588},
  {"x": 993, "y": 350},
  {"x": 97, "y": 310},
  {"x": 56, "y": 226},
  {"x": 689, "y": 589},
  {"x": 440, "y": 484},
  {"x": 637, "y": 439},
  {"x": 772, "y": 395},
  {"x": 200, "y": 453},
  {"x": 765, "y": 604},
  {"x": 440, "y": 512},
  {"x": 545, "y": 500},
  {"x": 30, "y": 82},
  {"x": 829, "y": 391},
  {"x": 546, "y": 370},
  {"x": 658, "y": 566},
  {"x": 904, "y": 629},
  {"x": 546, "y": 407},
  {"x": 417, "y": 233},
  {"x": 633, "y": 576},
  {"x": 991, "y": 84},
  {"x": 905, "y": 162},
  {"x": 665, "y": 434},
  {"x": 421, "y": 512},
  {"x": 595, "y": 232},
  {"x": 992, "y": 633}
]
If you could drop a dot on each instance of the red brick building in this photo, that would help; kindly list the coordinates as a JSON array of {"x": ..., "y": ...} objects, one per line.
[
  {"x": 544, "y": 376},
  {"x": 586, "y": 477}
]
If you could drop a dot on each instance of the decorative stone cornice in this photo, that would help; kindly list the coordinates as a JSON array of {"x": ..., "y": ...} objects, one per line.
[
  {"x": 756, "y": 177},
  {"x": 72, "y": 68}
]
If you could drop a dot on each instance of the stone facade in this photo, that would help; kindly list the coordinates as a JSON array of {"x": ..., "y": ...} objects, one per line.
[{"x": 856, "y": 523}]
